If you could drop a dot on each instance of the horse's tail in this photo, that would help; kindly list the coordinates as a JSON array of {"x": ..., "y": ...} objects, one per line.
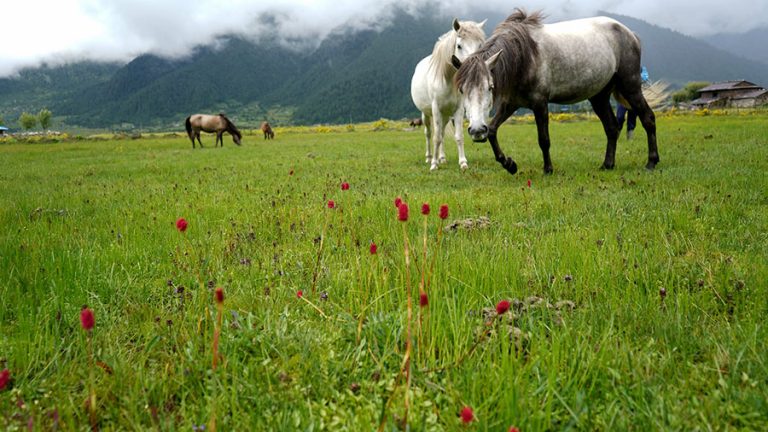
[
  {"x": 654, "y": 93},
  {"x": 188, "y": 125}
]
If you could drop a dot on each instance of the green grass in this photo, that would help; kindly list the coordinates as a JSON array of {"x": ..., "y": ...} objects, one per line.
[{"x": 93, "y": 223}]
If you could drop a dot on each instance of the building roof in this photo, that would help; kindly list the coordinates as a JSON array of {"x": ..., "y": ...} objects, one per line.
[
  {"x": 750, "y": 95},
  {"x": 730, "y": 85},
  {"x": 3, "y": 128},
  {"x": 704, "y": 101}
]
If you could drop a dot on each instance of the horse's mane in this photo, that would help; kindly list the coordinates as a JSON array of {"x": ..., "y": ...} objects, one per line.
[
  {"x": 519, "y": 53},
  {"x": 440, "y": 64},
  {"x": 230, "y": 126}
]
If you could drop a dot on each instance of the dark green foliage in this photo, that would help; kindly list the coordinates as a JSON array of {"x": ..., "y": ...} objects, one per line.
[
  {"x": 44, "y": 118},
  {"x": 689, "y": 92},
  {"x": 27, "y": 120}
]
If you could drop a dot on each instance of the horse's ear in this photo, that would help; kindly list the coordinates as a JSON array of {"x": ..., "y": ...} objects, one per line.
[
  {"x": 455, "y": 62},
  {"x": 456, "y": 25},
  {"x": 482, "y": 23},
  {"x": 491, "y": 62}
]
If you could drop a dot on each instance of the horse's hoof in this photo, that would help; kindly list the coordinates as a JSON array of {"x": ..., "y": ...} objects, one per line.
[
  {"x": 606, "y": 166},
  {"x": 428, "y": 160},
  {"x": 433, "y": 167},
  {"x": 509, "y": 165},
  {"x": 548, "y": 170},
  {"x": 463, "y": 166},
  {"x": 442, "y": 160},
  {"x": 650, "y": 166}
]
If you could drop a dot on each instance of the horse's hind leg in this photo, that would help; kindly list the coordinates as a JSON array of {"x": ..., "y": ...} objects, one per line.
[
  {"x": 648, "y": 120},
  {"x": 541, "y": 113},
  {"x": 601, "y": 104},
  {"x": 458, "y": 134},
  {"x": 197, "y": 135}
]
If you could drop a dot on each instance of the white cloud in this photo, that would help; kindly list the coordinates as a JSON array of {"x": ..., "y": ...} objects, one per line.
[{"x": 56, "y": 31}]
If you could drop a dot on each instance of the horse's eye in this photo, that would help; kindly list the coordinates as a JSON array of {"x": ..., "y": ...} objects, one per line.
[{"x": 458, "y": 46}]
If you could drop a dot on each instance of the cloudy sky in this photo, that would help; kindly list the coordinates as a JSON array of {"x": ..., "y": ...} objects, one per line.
[{"x": 57, "y": 31}]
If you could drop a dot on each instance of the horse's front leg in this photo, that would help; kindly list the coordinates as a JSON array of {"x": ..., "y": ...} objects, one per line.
[
  {"x": 426, "y": 120},
  {"x": 437, "y": 129},
  {"x": 502, "y": 114},
  {"x": 458, "y": 134},
  {"x": 438, "y": 124},
  {"x": 541, "y": 113}
]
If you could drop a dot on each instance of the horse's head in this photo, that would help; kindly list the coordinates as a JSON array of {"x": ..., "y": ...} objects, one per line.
[
  {"x": 469, "y": 37},
  {"x": 232, "y": 129},
  {"x": 474, "y": 79}
]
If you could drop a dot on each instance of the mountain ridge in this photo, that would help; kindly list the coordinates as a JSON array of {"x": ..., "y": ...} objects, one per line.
[{"x": 352, "y": 76}]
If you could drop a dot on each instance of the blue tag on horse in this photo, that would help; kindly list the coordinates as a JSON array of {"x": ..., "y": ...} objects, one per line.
[{"x": 644, "y": 74}]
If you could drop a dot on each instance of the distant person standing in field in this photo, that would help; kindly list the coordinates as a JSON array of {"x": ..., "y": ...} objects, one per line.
[{"x": 622, "y": 112}]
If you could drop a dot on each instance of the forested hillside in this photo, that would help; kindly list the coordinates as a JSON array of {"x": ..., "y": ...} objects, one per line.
[{"x": 350, "y": 77}]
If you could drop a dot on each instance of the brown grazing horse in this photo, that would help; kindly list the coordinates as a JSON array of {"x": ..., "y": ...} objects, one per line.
[
  {"x": 416, "y": 122},
  {"x": 267, "y": 129},
  {"x": 217, "y": 124}
]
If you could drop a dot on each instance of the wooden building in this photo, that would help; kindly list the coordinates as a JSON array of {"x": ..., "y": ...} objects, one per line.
[{"x": 731, "y": 94}]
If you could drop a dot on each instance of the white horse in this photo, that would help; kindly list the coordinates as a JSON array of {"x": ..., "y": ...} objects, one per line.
[{"x": 434, "y": 93}]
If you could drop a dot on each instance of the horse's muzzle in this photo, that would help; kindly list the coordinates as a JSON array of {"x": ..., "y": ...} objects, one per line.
[{"x": 478, "y": 134}]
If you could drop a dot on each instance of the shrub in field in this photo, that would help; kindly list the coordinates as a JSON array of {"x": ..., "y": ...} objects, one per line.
[
  {"x": 380, "y": 125},
  {"x": 27, "y": 120}
]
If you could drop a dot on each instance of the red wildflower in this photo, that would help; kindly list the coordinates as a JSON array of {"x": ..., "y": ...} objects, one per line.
[
  {"x": 398, "y": 201},
  {"x": 402, "y": 212},
  {"x": 513, "y": 429},
  {"x": 331, "y": 204},
  {"x": 373, "y": 248},
  {"x": 529, "y": 182},
  {"x": 219, "y": 293},
  {"x": 5, "y": 377},
  {"x": 345, "y": 186},
  {"x": 87, "y": 320},
  {"x": 300, "y": 294},
  {"x": 467, "y": 415},
  {"x": 181, "y": 224},
  {"x": 502, "y": 307},
  {"x": 423, "y": 300},
  {"x": 425, "y": 209},
  {"x": 444, "y": 211}
]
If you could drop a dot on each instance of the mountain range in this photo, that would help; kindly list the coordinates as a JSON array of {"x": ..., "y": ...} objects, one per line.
[{"x": 352, "y": 76}]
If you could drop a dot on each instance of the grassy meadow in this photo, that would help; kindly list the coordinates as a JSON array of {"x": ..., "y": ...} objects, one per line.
[{"x": 667, "y": 272}]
